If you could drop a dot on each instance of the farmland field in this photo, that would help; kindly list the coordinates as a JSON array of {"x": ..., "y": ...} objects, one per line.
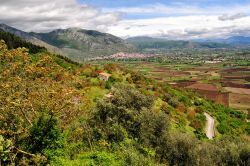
[
  {"x": 229, "y": 86},
  {"x": 238, "y": 90},
  {"x": 239, "y": 101}
]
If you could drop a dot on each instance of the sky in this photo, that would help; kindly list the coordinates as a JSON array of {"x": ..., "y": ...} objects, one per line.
[{"x": 172, "y": 19}]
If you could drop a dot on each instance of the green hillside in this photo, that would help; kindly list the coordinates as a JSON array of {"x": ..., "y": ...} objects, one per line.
[{"x": 55, "y": 112}]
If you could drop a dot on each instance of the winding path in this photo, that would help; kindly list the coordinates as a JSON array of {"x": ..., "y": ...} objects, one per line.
[{"x": 209, "y": 126}]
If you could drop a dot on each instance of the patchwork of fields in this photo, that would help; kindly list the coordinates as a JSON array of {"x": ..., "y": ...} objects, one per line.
[{"x": 229, "y": 86}]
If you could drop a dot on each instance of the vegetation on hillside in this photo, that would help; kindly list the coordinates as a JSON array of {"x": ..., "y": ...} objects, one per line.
[{"x": 54, "y": 112}]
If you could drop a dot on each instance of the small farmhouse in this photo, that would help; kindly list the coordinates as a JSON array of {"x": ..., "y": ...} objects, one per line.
[{"x": 104, "y": 76}]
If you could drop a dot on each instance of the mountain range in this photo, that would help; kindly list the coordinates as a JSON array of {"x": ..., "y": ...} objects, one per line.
[
  {"x": 80, "y": 44},
  {"x": 143, "y": 42},
  {"x": 233, "y": 41},
  {"x": 74, "y": 43}
]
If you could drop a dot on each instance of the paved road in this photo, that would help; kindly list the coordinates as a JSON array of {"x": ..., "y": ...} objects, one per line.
[{"x": 209, "y": 126}]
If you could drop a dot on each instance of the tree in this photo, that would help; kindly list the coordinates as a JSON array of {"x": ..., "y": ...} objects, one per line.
[
  {"x": 44, "y": 135},
  {"x": 177, "y": 148},
  {"x": 124, "y": 108},
  {"x": 154, "y": 126}
]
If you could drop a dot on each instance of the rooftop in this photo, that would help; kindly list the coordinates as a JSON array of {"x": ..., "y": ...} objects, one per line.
[{"x": 105, "y": 74}]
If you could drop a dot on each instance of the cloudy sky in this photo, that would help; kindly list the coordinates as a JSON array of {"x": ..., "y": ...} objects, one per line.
[{"x": 173, "y": 19}]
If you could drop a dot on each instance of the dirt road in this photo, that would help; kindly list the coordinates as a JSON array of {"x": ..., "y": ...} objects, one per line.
[{"x": 209, "y": 126}]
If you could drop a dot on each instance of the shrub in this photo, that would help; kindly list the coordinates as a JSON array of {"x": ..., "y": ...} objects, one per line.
[
  {"x": 153, "y": 126},
  {"x": 191, "y": 113},
  {"x": 223, "y": 128},
  {"x": 177, "y": 149},
  {"x": 166, "y": 108},
  {"x": 166, "y": 97},
  {"x": 102, "y": 158},
  {"x": 184, "y": 100},
  {"x": 44, "y": 135},
  {"x": 5, "y": 150},
  {"x": 173, "y": 102},
  {"x": 133, "y": 158}
]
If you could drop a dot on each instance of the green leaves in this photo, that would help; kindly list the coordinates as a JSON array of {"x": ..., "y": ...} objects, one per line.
[
  {"x": 44, "y": 134},
  {"x": 5, "y": 148}
]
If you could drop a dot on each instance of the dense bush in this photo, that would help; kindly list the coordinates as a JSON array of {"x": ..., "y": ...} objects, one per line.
[
  {"x": 44, "y": 135},
  {"x": 173, "y": 102},
  {"x": 126, "y": 109},
  {"x": 223, "y": 128},
  {"x": 166, "y": 97}
]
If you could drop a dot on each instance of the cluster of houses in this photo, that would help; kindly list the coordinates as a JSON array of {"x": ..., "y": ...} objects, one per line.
[{"x": 214, "y": 61}]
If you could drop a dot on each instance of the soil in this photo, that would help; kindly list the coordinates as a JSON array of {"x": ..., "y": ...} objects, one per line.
[{"x": 238, "y": 90}]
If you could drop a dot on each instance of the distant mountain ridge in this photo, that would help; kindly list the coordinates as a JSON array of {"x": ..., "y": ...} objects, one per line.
[
  {"x": 238, "y": 40},
  {"x": 143, "y": 42},
  {"x": 79, "y": 44},
  {"x": 233, "y": 41},
  {"x": 75, "y": 43}
]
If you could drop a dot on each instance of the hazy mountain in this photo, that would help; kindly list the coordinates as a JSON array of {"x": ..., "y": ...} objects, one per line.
[
  {"x": 161, "y": 43},
  {"x": 233, "y": 41},
  {"x": 238, "y": 40},
  {"x": 75, "y": 43}
]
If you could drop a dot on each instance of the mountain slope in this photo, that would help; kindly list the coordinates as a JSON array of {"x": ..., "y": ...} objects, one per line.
[
  {"x": 15, "y": 31},
  {"x": 13, "y": 41},
  {"x": 28, "y": 37},
  {"x": 84, "y": 43},
  {"x": 75, "y": 43}
]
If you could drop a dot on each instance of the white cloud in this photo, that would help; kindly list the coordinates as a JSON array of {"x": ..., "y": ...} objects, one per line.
[
  {"x": 226, "y": 17},
  {"x": 178, "y": 21},
  {"x": 182, "y": 27},
  {"x": 182, "y": 9},
  {"x": 181, "y": 21},
  {"x": 46, "y": 15}
]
